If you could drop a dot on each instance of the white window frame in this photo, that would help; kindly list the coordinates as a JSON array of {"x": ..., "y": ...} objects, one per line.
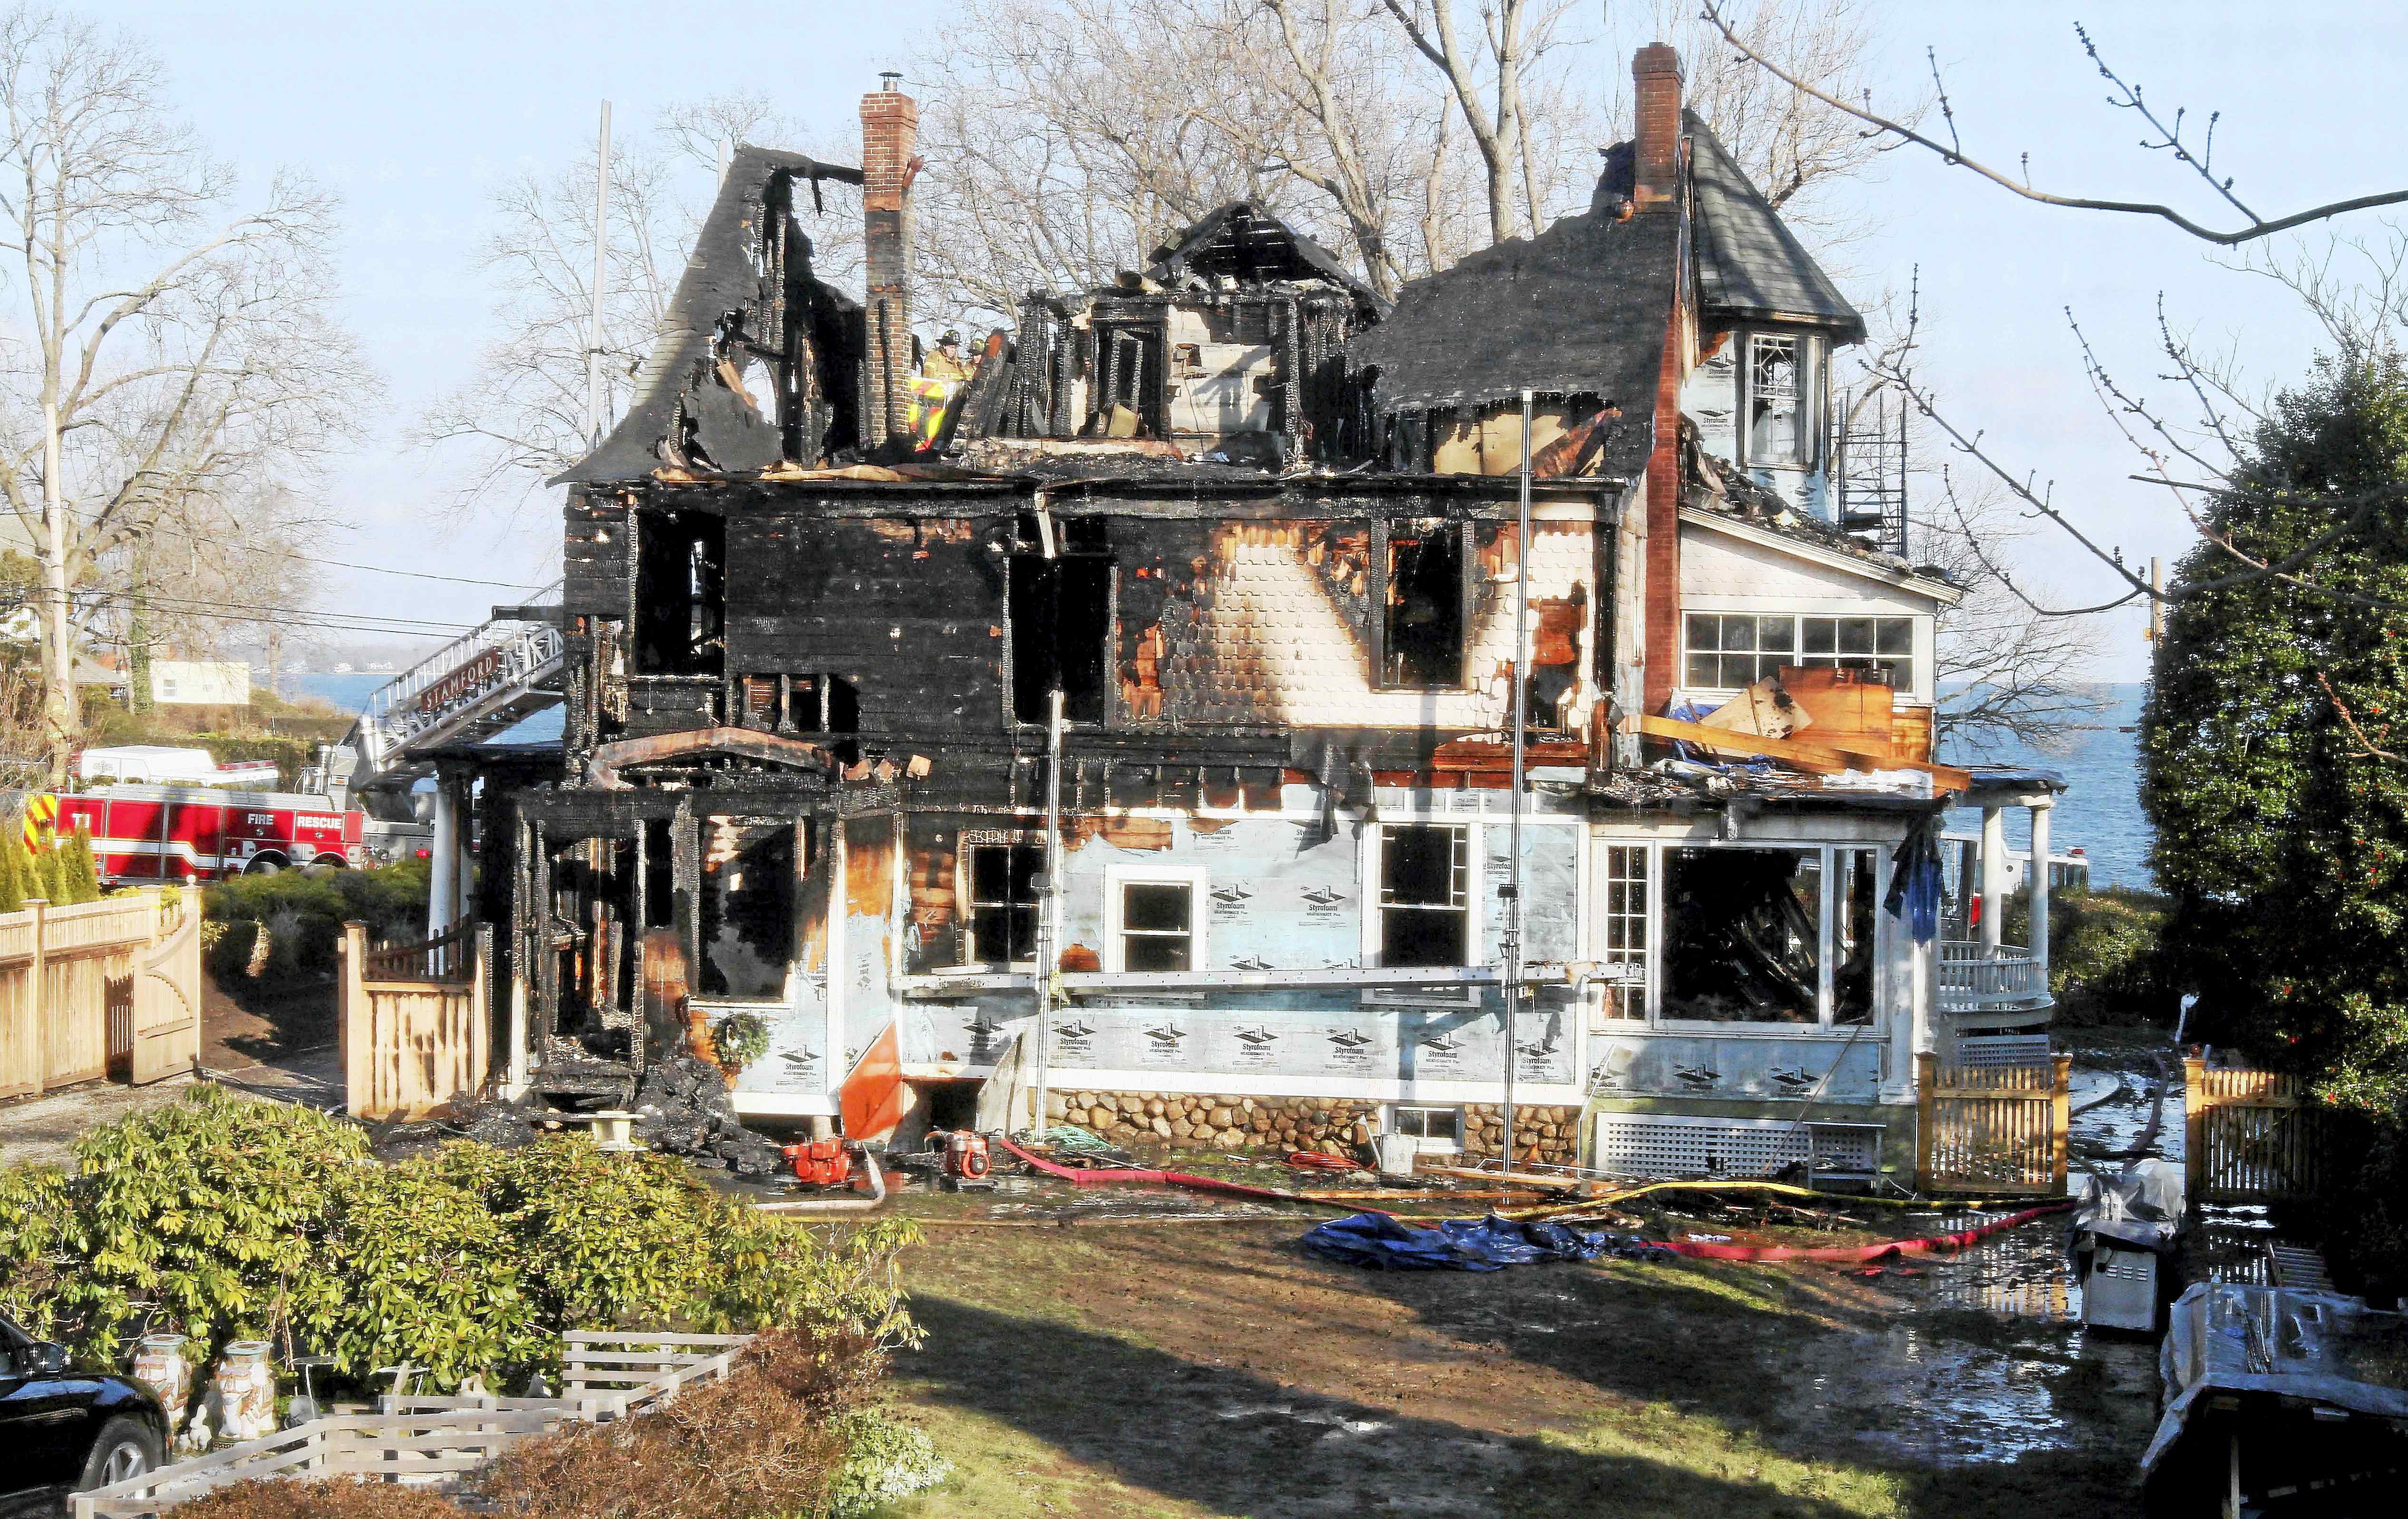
[
  {"x": 1421, "y": 1142},
  {"x": 1475, "y": 923},
  {"x": 1915, "y": 659},
  {"x": 1813, "y": 376},
  {"x": 1193, "y": 876},
  {"x": 1825, "y": 995}
]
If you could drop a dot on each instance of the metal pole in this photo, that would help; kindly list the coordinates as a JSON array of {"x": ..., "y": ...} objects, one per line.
[
  {"x": 601, "y": 274},
  {"x": 1048, "y": 913},
  {"x": 1521, "y": 721}
]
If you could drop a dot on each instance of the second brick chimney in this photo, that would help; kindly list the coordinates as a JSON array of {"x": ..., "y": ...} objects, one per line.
[
  {"x": 1656, "y": 139},
  {"x": 890, "y": 130}
]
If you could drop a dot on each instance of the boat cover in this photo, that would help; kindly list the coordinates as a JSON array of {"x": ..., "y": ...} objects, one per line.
[{"x": 1466, "y": 1244}]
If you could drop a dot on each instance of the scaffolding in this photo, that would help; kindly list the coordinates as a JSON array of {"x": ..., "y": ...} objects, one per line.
[{"x": 1871, "y": 470}]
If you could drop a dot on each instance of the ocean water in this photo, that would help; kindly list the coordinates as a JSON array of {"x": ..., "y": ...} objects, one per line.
[{"x": 2100, "y": 810}]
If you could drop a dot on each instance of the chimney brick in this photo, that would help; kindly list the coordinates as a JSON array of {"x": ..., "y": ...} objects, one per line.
[
  {"x": 890, "y": 131},
  {"x": 1656, "y": 138}
]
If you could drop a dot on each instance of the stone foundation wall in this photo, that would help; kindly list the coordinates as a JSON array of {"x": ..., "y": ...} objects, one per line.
[{"x": 1193, "y": 1121}]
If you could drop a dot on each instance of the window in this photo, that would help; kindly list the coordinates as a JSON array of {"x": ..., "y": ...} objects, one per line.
[
  {"x": 1432, "y": 1128},
  {"x": 1742, "y": 935},
  {"x": 1425, "y": 894},
  {"x": 1853, "y": 923},
  {"x": 1725, "y": 651},
  {"x": 1421, "y": 631},
  {"x": 1061, "y": 614},
  {"x": 1625, "y": 940},
  {"x": 797, "y": 703},
  {"x": 680, "y": 593},
  {"x": 750, "y": 872},
  {"x": 1001, "y": 875},
  {"x": 1784, "y": 410},
  {"x": 1154, "y": 919}
]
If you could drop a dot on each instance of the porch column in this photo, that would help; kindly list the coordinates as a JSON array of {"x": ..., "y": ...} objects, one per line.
[
  {"x": 1994, "y": 872},
  {"x": 2039, "y": 872},
  {"x": 443, "y": 897}
]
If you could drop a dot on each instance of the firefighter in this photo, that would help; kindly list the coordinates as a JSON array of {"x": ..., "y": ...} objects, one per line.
[{"x": 946, "y": 361}]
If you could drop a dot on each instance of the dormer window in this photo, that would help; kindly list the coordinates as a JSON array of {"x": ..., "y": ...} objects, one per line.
[{"x": 1780, "y": 401}]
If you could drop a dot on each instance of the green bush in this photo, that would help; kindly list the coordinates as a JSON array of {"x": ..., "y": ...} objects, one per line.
[
  {"x": 2106, "y": 960},
  {"x": 223, "y": 1217},
  {"x": 884, "y": 1462},
  {"x": 305, "y": 912}
]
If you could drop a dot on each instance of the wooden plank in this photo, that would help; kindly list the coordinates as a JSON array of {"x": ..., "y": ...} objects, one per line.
[
  {"x": 613, "y": 1336},
  {"x": 1815, "y": 758}
]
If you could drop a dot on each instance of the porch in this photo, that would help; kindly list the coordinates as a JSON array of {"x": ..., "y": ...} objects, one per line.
[{"x": 1987, "y": 984}]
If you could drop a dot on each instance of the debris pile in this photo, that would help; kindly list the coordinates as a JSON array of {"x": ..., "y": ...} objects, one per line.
[{"x": 682, "y": 1108}]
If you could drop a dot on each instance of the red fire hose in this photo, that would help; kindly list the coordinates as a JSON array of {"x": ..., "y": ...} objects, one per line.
[{"x": 1927, "y": 1245}]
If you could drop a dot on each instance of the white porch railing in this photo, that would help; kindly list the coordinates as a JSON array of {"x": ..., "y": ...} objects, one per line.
[{"x": 1991, "y": 978}]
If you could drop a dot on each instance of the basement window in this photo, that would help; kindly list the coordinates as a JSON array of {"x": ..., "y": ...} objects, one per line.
[
  {"x": 1425, "y": 894},
  {"x": 1431, "y": 1129},
  {"x": 1155, "y": 920},
  {"x": 680, "y": 593},
  {"x": 750, "y": 878},
  {"x": 1422, "y": 632},
  {"x": 1061, "y": 617},
  {"x": 1000, "y": 876},
  {"x": 1742, "y": 935},
  {"x": 1781, "y": 405}
]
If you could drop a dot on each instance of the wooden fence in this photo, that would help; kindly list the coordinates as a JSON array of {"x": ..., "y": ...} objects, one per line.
[
  {"x": 1992, "y": 1128},
  {"x": 434, "y": 1443},
  {"x": 109, "y": 988},
  {"x": 417, "y": 1027},
  {"x": 2252, "y": 1136}
]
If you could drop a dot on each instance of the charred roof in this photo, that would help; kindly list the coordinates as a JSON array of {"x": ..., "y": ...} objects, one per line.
[{"x": 1245, "y": 244}]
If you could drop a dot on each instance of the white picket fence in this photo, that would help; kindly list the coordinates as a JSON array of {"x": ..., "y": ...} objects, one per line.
[{"x": 436, "y": 1441}]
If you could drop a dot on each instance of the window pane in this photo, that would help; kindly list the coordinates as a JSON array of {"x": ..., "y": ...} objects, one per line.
[
  {"x": 1425, "y": 611},
  {"x": 1773, "y": 430},
  {"x": 1738, "y": 671},
  {"x": 1153, "y": 905},
  {"x": 1420, "y": 936},
  {"x": 991, "y": 873},
  {"x": 1155, "y": 951},
  {"x": 1738, "y": 632},
  {"x": 1777, "y": 633},
  {"x": 1409, "y": 1123},
  {"x": 1417, "y": 863},
  {"x": 1704, "y": 631},
  {"x": 1819, "y": 633},
  {"x": 1702, "y": 669},
  {"x": 1742, "y": 935},
  {"x": 1852, "y": 937},
  {"x": 1894, "y": 635},
  {"x": 1855, "y": 634}
]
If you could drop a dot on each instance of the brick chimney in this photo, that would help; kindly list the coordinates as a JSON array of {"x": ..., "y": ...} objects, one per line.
[
  {"x": 890, "y": 129},
  {"x": 1656, "y": 139}
]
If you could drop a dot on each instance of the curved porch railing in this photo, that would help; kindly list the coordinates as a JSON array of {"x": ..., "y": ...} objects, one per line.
[{"x": 1985, "y": 978}]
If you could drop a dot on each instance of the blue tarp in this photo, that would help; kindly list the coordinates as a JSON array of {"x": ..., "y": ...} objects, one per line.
[{"x": 1466, "y": 1244}]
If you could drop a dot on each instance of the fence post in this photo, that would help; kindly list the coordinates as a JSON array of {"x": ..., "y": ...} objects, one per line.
[
  {"x": 1927, "y": 1113},
  {"x": 358, "y": 1044},
  {"x": 481, "y": 1007},
  {"x": 33, "y": 1001},
  {"x": 2060, "y": 1119},
  {"x": 2195, "y": 1104}
]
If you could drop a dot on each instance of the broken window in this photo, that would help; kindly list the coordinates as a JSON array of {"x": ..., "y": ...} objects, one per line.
[
  {"x": 1425, "y": 894},
  {"x": 1431, "y": 1128},
  {"x": 1001, "y": 925},
  {"x": 1742, "y": 935},
  {"x": 751, "y": 872},
  {"x": 680, "y": 593},
  {"x": 592, "y": 973},
  {"x": 1061, "y": 614},
  {"x": 1626, "y": 931},
  {"x": 1853, "y": 906},
  {"x": 660, "y": 874},
  {"x": 1782, "y": 405},
  {"x": 1421, "y": 642},
  {"x": 1156, "y": 925},
  {"x": 798, "y": 703}
]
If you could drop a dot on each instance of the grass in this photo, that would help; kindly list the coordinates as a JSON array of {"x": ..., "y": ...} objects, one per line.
[{"x": 1215, "y": 1369}]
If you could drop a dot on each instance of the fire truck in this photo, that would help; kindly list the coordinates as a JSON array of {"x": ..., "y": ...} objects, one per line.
[{"x": 182, "y": 833}]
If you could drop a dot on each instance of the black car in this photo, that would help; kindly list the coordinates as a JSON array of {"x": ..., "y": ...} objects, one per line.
[{"x": 62, "y": 1430}]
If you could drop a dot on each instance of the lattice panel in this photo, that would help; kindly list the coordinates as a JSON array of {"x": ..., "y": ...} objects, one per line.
[
  {"x": 1992, "y": 1050},
  {"x": 1640, "y": 1144},
  {"x": 1846, "y": 1151}
]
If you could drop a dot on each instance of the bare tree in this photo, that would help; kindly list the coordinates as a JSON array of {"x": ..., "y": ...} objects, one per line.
[
  {"x": 1489, "y": 76},
  {"x": 522, "y": 414},
  {"x": 163, "y": 355}
]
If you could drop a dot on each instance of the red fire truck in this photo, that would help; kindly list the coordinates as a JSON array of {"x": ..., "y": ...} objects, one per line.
[{"x": 204, "y": 833}]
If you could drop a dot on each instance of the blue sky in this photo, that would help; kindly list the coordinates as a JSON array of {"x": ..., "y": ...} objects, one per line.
[{"x": 413, "y": 112}]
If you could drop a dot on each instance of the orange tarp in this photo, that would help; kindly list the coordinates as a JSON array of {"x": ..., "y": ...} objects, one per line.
[{"x": 871, "y": 1098}]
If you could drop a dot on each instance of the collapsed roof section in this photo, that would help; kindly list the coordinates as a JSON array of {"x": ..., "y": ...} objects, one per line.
[
  {"x": 757, "y": 359},
  {"x": 1243, "y": 244}
]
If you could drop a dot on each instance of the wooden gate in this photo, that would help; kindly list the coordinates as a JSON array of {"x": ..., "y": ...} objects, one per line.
[
  {"x": 2252, "y": 1136},
  {"x": 416, "y": 1024},
  {"x": 72, "y": 993},
  {"x": 166, "y": 1015},
  {"x": 1992, "y": 1128}
]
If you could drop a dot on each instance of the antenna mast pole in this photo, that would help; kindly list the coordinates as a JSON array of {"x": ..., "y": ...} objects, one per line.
[{"x": 601, "y": 274}]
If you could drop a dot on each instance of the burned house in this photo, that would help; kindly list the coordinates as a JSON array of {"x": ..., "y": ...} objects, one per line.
[{"x": 1131, "y": 732}]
